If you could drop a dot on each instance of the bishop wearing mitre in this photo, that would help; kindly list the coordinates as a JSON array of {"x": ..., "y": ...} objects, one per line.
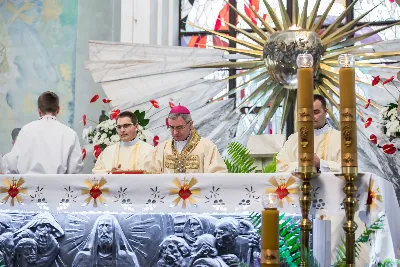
[
  {"x": 127, "y": 155},
  {"x": 326, "y": 144},
  {"x": 187, "y": 151}
]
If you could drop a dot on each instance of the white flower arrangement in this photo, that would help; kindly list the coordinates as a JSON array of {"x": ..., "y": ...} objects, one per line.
[
  {"x": 390, "y": 121},
  {"x": 105, "y": 134}
]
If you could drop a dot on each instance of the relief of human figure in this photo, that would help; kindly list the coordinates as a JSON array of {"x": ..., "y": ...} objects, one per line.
[
  {"x": 196, "y": 226},
  {"x": 230, "y": 243},
  {"x": 174, "y": 252},
  {"x": 106, "y": 246},
  {"x": 5, "y": 223},
  {"x": 44, "y": 229},
  {"x": 7, "y": 249},
  {"x": 204, "y": 253},
  {"x": 26, "y": 253}
]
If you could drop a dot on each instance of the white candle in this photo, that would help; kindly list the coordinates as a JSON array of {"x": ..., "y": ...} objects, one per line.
[{"x": 322, "y": 241}]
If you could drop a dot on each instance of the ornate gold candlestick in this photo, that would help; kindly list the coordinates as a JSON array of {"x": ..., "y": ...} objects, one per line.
[
  {"x": 348, "y": 127},
  {"x": 306, "y": 170}
]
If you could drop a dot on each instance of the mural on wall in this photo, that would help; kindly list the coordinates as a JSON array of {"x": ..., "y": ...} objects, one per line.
[{"x": 37, "y": 53}]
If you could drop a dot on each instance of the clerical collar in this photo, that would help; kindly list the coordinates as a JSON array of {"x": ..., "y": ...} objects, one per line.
[
  {"x": 184, "y": 141},
  {"x": 48, "y": 117},
  {"x": 322, "y": 130},
  {"x": 129, "y": 143}
]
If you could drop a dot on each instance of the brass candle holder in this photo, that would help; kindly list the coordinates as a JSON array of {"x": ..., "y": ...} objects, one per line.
[
  {"x": 348, "y": 127},
  {"x": 306, "y": 174},
  {"x": 306, "y": 170},
  {"x": 350, "y": 174}
]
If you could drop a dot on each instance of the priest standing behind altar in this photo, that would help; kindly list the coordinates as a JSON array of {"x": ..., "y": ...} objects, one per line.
[
  {"x": 127, "y": 155},
  {"x": 46, "y": 146},
  {"x": 326, "y": 144},
  {"x": 187, "y": 151}
]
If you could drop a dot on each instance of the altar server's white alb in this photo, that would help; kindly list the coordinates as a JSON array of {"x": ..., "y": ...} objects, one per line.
[{"x": 46, "y": 146}]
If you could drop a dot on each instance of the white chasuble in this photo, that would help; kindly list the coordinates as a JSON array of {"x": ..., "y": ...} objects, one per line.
[
  {"x": 131, "y": 157},
  {"x": 199, "y": 155},
  {"x": 326, "y": 146}
]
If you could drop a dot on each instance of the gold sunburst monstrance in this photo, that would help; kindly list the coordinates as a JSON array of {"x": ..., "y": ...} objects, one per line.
[{"x": 273, "y": 52}]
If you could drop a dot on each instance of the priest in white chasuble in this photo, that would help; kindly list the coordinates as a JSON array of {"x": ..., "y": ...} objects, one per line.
[
  {"x": 187, "y": 151},
  {"x": 127, "y": 155},
  {"x": 46, "y": 146},
  {"x": 326, "y": 144}
]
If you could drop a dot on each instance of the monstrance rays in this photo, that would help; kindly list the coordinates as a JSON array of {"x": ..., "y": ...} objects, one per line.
[{"x": 336, "y": 39}]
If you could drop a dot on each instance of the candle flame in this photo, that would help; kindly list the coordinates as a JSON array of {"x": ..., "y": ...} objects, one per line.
[{"x": 294, "y": 27}]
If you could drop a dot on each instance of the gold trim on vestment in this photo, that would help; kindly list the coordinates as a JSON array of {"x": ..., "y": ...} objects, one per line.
[
  {"x": 135, "y": 151},
  {"x": 180, "y": 162}
]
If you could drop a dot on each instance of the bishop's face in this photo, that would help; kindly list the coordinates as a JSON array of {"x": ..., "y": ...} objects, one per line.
[
  {"x": 180, "y": 130},
  {"x": 126, "y": 129}
]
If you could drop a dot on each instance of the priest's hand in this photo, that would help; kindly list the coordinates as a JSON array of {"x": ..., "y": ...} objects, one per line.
[
  {"x": 116, "y": 169},
  {"x": 317, "y": 161}
]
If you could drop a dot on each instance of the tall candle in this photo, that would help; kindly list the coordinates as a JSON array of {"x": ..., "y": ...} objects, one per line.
[
  {"x": 305, "y": 110},
  {"x": 348, "y": 123},
  {"x": 270, "y": 231},
  {"x": 322, "y": 241}
]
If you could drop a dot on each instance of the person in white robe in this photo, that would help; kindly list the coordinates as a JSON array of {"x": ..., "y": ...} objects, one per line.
[
  {"x": 187, "y": 151},
  {"x": 127, "y": 155},
  {"x": 14, "y": 136},
  {"x": 326, "y": 144},
  {"x": 46, "y": 146}
]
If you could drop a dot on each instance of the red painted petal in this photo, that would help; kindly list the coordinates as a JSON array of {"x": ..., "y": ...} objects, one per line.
[
  {"x": 171, "y": 105},
  {"x": 114, "y": 114},
  {"x": 388, "y": 80},
  {"x": 84, "y": 119},
  {"x": 376, "y": 80},
  {"x": 106, "y": 101},
  {"x": 368, "y": 122},
  {"x": 155, "y": 103},
  {"x": 94, "y": 98},
  {"x": 373, "y": 139},
  {"x": 97, "y": 152},
  {"x": 156, "y": 139},
  {"x": 83, "y": 154},
  {"x": 389, "y": 149}
]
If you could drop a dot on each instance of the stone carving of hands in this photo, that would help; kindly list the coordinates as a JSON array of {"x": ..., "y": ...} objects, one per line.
[
  {"x": 231, "y": 260},
  {"x": 254, "y": 240}
]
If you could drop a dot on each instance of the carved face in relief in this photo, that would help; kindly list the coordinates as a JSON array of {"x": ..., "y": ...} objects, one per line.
[
  {"x": 174, "y": 250},
  {"x": 42, "y": 234},
  {"x": 195, "y": 228},
  {"x": 26, "y": 251},
  {"x": 225, "y": 234},
  {"x": 105, "y": 231}
]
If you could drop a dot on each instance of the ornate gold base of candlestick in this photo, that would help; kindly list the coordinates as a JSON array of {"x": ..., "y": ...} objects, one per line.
[
  {"x": 306, "y": 174},
  {"x": 350, "y": 174}
]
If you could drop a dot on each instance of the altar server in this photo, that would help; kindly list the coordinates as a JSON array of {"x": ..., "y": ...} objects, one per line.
[
  {"x": 127, "y": 155},
  {"x": 187, "y": 151},
  {"x": 46, "y": 146},
  {"x": 326, "y": 144}
]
